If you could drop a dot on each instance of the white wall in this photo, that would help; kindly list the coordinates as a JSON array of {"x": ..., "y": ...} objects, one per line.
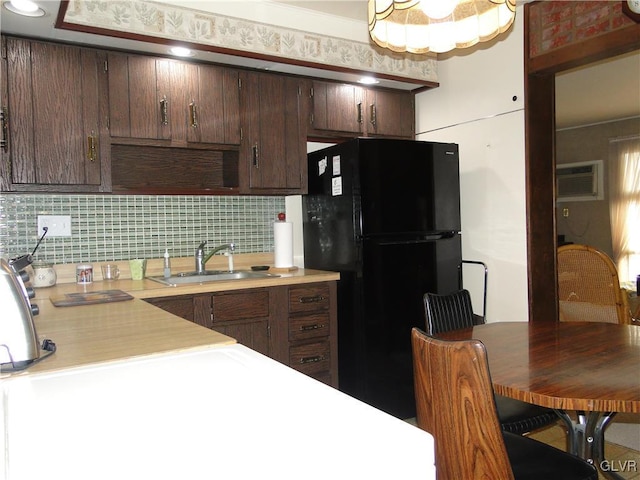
[{"x": 475, "y": 108}]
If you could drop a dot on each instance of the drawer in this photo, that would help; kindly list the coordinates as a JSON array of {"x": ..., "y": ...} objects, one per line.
[
  {"x": 311, "y": 358},
  {"x": 309, "y": 298},
  {"x": 239, "y": 306},
  {"x": 309, "y": 326}
]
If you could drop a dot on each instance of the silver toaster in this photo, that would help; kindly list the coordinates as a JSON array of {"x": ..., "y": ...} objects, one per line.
[{"x": 19, "y": 346}]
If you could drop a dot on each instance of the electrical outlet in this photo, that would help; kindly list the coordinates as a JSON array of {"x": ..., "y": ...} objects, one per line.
[{"x": 58, "y": 225}]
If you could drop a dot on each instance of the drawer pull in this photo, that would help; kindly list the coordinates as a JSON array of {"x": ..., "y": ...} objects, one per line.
[
  {"x": 164, "y": 111},
  {"x": 4, "y": 141},
  {"x": 315, "y": 326},
  {"x": 193, "y": 114},
  {"x": 314, "y": 359},
  {"x": 314, "y": 299},
  {"x": 256, "y": 155},
  {"x": 92, "y": 149}
]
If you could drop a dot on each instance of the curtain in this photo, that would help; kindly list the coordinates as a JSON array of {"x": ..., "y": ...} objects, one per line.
[{"x": 624, "y": 205}]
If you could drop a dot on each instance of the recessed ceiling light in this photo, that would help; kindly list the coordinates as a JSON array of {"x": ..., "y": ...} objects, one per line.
[
  {"x": 368, "y": 80},
  {"x": 26, "y": 8},
  {"x": 181, "y": 52}
]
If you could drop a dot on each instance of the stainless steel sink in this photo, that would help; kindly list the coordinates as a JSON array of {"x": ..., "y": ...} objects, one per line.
[{"x": 210, "y": 276}]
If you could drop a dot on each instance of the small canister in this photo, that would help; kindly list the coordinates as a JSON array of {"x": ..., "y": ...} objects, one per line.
[
  {"x": 84, "y": 274},
  {"x": 44, "y": 274}
]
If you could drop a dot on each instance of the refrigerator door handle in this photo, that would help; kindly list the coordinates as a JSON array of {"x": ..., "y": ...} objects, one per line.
[
  {"x": 417, "y": 241},
  {"x": 407, "y": 238}
]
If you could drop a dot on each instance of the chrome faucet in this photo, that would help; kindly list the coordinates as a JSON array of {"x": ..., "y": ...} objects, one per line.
[{"x": 201, "y": 259}]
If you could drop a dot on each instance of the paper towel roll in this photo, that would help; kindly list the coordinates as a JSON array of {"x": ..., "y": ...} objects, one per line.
[{"x": 283, "y": 244}]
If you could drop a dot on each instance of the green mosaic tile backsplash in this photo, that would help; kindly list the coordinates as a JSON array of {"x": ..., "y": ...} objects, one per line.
[{"x": 119, "y": 227}]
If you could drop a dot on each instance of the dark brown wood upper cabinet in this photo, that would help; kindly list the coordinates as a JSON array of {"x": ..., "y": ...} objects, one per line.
[
  {"x": 273, "y": 147},
  {"x": 75, "y": 119},
  {"x": 390, "y": 113},
  {"x": 172, "y": 103},
  {"x": 347, "y": 110},
  {"x": 337, "y": 107},
  {"x": 56, "y": 118}
]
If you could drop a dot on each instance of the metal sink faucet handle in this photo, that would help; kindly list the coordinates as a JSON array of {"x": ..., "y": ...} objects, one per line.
[{"x": 202, "y": 259}]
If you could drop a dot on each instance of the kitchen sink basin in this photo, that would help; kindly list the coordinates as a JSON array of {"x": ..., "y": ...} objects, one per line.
[{"x": 211, "y": 276}]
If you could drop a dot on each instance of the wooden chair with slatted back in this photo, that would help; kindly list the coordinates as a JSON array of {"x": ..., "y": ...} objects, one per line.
[
  {"x": 453, "y": 311},
  {"x": 454, "y": 402},
  {"x": 589, "y": 287}
]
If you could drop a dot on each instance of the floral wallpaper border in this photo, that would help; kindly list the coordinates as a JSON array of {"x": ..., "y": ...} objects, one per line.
[{"x": 173, "y": 22}]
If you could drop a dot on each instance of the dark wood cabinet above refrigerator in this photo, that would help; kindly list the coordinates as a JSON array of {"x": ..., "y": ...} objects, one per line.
[{"x": 346, "y": 110}]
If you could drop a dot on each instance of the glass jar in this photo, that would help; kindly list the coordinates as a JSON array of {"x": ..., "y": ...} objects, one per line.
[{"x": 44, "y": 275}]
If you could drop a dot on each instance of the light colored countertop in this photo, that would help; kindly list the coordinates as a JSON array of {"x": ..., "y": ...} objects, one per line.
[
  {"x": 226, "y": 412},
  {"x": 150, "y": 289},
  {"x": 115, "y": 331},
  {"x": 123, "y": 330}
]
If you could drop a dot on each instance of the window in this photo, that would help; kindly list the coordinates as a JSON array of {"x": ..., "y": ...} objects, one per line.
[{"x": 624, "y": 205}]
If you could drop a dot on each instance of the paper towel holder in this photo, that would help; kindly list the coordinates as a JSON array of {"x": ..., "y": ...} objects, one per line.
[{"x": 283, "y": 245}]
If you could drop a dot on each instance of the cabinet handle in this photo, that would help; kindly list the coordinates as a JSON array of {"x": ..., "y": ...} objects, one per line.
[
  {"x": 307, "y": 328},
  {"x": 314, "y": 299},
  {"x": 314, "y": 359},
  {"x": 4, "y": 141},
  {"x": 164, "y": 108},
  {"x": 92, "y": 150},
  {"x": 360, "y": 112},
  {"x": 193, "y": 114},
  {"x": 255, "y": 155},
  {"x": 373, "y": 115}
]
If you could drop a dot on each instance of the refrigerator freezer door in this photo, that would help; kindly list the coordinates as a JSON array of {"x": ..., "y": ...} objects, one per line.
[
  {"x": 409, "y": 187},
  {"x": 395, "y": 276}
]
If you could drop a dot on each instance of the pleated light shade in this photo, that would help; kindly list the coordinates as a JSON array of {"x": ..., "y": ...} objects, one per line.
[{"x": 421, "y": 26}]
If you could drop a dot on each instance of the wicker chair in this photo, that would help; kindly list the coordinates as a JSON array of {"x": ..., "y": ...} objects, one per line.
[
  {"x": 454, "y": 402},
  {"x": 589, "y": 287}
]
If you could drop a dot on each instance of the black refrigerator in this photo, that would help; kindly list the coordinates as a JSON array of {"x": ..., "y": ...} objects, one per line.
[{"x": 386, "y": 215}]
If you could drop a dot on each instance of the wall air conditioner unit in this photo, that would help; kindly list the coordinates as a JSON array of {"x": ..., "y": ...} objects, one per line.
[{"x": 580, "y": 181}]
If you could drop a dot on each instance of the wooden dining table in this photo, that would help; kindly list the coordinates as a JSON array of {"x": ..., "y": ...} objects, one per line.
[{"x": 589, "y": 368}]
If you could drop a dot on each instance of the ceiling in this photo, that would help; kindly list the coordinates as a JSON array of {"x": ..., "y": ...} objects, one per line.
[
  {"x": 592, "y": 94},
  {"x": 599, "y": 92}
]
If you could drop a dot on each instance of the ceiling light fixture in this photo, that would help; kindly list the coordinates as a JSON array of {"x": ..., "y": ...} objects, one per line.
[
  {"x": 368, "y": 80},
  {"x": 421, "y": 26},
  {"x": 26, "y": 8},
  {"x": 181, "y": 52}
]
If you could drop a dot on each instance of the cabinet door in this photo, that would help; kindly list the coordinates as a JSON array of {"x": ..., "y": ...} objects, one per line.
[
  {"x": 5, "y": 174},
  {"x": 214, "y": 111},
  {"x": 182, "y": 305},
  {"x": 273, "y": 146},
  {"x": 244, "y": 316},
  {"x": 54, "y": 94},
  {"x": 337, "y": 107},
  {"x": 390, "y": 113},
  {"x": 168, "y": 100},
  {"x": 139, "y": 97}
]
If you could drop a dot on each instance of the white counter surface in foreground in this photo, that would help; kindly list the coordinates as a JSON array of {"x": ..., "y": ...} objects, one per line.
[{"x": 227, "y": 412}]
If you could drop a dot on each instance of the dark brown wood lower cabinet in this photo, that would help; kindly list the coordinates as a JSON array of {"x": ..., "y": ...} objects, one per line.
[
  {"x": 296, "y": 325},
  {"x": 243, "y": 315}
]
